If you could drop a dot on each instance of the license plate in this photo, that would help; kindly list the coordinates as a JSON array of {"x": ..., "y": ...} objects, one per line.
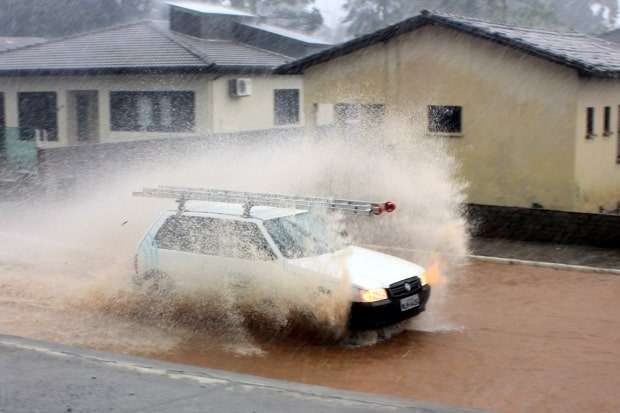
[{"x": 409, "y": 302}]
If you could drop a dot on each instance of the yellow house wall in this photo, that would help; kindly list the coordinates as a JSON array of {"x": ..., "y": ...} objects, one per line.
[
  {"x": 598, "y": 170},
  {"x": 518, "y": 142}
]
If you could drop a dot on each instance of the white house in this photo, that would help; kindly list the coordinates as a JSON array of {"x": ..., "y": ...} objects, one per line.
[{"x": 208, "y": 69}]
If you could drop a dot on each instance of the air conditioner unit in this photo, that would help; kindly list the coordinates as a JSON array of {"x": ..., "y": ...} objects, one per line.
[{"x": 240, "y": 87}]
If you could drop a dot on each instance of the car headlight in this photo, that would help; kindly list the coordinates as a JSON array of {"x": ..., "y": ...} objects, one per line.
[
  {"x": 370, "y": 296},
  {"x": 423, "y": 278}
]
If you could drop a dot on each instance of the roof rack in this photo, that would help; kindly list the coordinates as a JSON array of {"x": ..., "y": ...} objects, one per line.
[{"x": 251, "y": 199}]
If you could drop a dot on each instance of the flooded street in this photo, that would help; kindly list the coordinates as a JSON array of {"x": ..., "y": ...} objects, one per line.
[{"x": 504, "y": 338}]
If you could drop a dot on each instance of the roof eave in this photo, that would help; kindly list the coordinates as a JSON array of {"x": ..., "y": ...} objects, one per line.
[
  {"x": 220, "y": 69},
  {"x": 105, "y": 71}
]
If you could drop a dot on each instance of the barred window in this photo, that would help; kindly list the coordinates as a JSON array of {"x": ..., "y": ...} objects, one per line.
[
  {"x": 445, "y": 119},
  {"x": 286, "y": 106},
  {"x": 152, "y": 111}
]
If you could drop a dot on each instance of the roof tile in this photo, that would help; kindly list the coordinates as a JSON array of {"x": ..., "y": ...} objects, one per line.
[
  {"x": 141, "y": 46},
  {"x": 590, "y": 55}
]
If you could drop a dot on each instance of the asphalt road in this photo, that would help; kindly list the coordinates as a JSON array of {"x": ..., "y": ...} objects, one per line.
[
  {"x": 42, "y": 377},
  {"x": 507, "y": 338}
]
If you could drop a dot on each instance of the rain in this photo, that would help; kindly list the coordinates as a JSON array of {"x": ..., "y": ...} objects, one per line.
[{"x": 417, "y": 201}]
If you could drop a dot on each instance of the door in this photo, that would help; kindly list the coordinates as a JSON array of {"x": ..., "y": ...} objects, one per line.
[
  {"x": 202, "y": 252},
  {"x": 84, "y": 124},
  {"x": 82, "y": 103}
]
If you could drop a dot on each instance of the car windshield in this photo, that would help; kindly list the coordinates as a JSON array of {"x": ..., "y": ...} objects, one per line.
[{"x": 304, "y": 235}]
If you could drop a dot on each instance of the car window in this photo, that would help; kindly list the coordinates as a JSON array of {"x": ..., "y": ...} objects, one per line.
[
  {"x": 211, "y": 236},
  {"x": 303, "y": 235}
]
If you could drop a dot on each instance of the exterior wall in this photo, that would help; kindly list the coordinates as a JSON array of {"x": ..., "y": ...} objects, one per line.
[
  {"x": 255, "y": 112},
  {"x": 215, "y": 111},
  {"x": 63, "y": 86},
  {"x": 597, "y": 165},
  {"x": 517, "y": 146}
]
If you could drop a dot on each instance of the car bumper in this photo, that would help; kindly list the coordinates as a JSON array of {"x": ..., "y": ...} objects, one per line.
[{"x": 367, "y": 316}]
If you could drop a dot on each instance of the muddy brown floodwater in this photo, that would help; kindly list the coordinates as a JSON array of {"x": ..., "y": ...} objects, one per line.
[{"x": 507, "y": 338}]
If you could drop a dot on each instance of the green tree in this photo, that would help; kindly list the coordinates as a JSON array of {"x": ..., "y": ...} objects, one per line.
[
  {"x": 296, "y": 14},
  {"x": 363, "y": 16},
  {"x": 61, "y": 17},
  {"x": 581, "y": 16}
]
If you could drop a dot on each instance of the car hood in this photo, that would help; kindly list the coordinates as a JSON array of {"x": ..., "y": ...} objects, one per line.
[{"x": 365, "y": 268}]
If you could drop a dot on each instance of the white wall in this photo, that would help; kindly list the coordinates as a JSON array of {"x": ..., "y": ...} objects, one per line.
[
  {"x": 255, "y": 112},
  {"x": 215, "y": 110}
]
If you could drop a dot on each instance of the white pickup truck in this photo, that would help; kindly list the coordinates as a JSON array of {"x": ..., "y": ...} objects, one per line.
[{"x": 219, "y": 232}]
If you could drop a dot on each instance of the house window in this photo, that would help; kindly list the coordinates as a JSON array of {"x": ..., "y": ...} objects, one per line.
[
  {"x": 348, "y": 114},
  {"x": 152, "y": 111},
  {"x": 373, "y": 115},
  {"x": 366, "y": 115},
  {"x": 38, "y": 116},
  {"x": 445, "y": 119},
  {"x": 607, "y": 121},
  {"x": 590, "y": 123},
  {"x": 286, "y": 106}
]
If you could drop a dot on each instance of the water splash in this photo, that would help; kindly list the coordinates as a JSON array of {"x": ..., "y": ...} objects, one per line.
[{"x": 94, "y": 231}]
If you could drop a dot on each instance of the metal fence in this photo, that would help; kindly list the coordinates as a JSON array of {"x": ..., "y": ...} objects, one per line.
[{"x": 18, "y": 153}]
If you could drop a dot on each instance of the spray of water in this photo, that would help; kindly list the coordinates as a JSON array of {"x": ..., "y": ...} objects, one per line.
[{"x": 85, "y": 242}]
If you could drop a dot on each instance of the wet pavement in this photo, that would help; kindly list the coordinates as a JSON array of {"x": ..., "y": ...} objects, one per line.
[
  {"x": 497, "y": 337},
  {"x": 50, "y": 378}
]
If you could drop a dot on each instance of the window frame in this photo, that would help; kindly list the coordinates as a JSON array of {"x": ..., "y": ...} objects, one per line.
[
  {"x": 618, "y": 136},
  {"x": 124, "y": 106},
  {"x": 285, "y": 116},
  {"x": 590, "y": 122},
  {"x": 432, "y": 124}
]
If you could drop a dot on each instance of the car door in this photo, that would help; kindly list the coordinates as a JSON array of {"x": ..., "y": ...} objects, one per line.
[
  {"x": 207, "y": 252},
  {"x": 183, "y": 244},
  {"x": 245, "y": 258}
]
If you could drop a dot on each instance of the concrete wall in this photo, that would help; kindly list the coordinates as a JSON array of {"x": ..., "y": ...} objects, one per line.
[
  {"x": 597, "y": 165},
  {"x": 215, "y": 111},
  {"x": 68, "y": 168},
  {"x": 518, "y": 144},
  {"x": 541, "y": 225}
]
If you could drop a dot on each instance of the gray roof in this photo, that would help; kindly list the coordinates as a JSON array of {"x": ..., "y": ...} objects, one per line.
[
  {"x": 7, "y": 43},
  {"x": 230, "y": 53},
  {"x": 137, "y": 47},
  {"x": 311, "y": 40},
  {"x": 589, "y": 55},
  {"x": 208, "y": 8}
]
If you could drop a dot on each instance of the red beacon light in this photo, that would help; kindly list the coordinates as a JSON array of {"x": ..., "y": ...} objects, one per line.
[
  {"x": 386, "y": 207},
  {"x": 389, "y": 206}
]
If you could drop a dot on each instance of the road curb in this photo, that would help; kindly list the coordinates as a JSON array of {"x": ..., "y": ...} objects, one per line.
[{"x": 544, "y": 264}]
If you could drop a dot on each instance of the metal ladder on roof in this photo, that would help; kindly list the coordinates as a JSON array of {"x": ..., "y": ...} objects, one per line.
[{"x": 251, "y": 199}]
